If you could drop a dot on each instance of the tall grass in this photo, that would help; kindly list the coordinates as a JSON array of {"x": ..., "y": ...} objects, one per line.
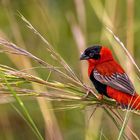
[{"x": 69, "y": 89}]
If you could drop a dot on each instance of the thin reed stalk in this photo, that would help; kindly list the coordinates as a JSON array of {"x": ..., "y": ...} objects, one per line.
[{"x": 73, "y": 90}]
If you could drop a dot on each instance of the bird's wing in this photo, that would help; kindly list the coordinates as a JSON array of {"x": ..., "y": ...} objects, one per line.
[{"x": 119, "y": 81}]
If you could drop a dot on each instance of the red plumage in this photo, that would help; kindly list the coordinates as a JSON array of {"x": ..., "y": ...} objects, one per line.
[
  {"x": 124, "y": 98},
  {"x": 109, "y": 77}
]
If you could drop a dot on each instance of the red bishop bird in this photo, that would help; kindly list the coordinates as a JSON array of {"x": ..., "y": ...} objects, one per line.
[{"x": 109, "y": 78}]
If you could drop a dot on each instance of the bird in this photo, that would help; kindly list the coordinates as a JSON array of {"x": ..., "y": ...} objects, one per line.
[{"x": 109, "y": 78}]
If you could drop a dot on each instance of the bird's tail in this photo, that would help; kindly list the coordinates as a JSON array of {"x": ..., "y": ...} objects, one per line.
[
  {"x": 132, "y": 102},
  {"x": 124, "y": 99}
]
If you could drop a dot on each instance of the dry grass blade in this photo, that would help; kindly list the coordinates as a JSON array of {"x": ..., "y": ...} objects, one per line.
[
  {"x": 21, "y": 51},
  {"x": 31, "y": 78},
  {"x": 54, "y": 54},
  {"x": 71, "y": 91},
  {"x": 124, "y": 48}
]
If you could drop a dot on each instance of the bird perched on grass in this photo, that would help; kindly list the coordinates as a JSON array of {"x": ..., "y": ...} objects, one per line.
[{"x": 109, "y": 78}]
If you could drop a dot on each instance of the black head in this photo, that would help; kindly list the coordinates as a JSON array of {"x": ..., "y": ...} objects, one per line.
[{"x": 91, "y": 53}]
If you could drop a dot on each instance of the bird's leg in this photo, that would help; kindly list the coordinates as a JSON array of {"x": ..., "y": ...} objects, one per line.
[{"x": 100, "y": 97}]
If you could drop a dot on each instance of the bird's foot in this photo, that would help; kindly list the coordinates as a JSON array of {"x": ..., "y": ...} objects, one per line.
[{"x": 100, "y": 97}]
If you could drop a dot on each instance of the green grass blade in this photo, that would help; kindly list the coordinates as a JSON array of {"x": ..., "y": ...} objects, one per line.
[
  {"x": 114, "y": 121},
  {"x": 22, "y": 116},
  {"x": 123, "y": 125},
  {"x": 26, "y": 113}
]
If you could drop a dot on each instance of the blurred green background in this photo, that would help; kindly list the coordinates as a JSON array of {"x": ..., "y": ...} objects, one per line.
[{"x": 70, "y": 26}]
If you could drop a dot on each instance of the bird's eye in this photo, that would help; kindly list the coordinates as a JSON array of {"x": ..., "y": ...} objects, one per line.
[{"x": 91, "y": 54}]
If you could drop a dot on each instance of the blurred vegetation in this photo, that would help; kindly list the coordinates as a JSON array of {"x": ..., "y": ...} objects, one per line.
[{"x": 70, "y": 26}]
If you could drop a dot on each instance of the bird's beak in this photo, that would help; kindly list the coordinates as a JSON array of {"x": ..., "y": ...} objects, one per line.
[{"x": 83, "y": 57}]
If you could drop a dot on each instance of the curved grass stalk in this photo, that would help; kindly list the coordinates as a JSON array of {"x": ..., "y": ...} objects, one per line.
[
  {"x": 21, "y": 51},
  {"x": 124, "y": 48},
  {"x": 51, "y": 50}
]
